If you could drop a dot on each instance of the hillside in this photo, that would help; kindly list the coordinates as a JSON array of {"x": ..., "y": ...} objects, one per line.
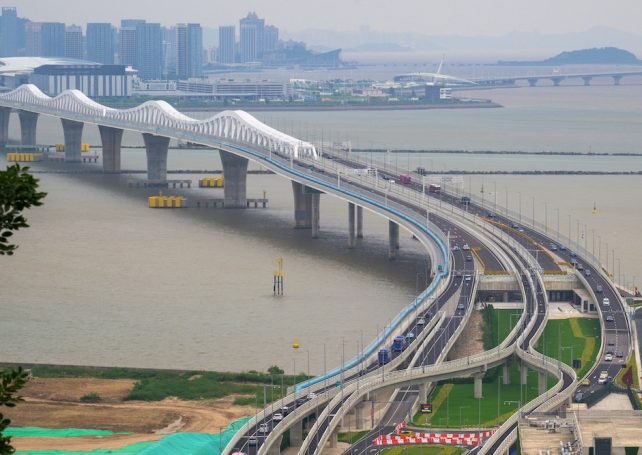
[{"x": 594, "y": 56}]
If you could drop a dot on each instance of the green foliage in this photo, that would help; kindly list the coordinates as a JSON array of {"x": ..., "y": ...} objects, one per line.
[
  {"x": 18, "y": 191},
  {"x": 275, "y": 370},
  {"x": 352, "y": 436},
  {"x": 91, "y": 397},
  {"x": 11, "y": 381}
]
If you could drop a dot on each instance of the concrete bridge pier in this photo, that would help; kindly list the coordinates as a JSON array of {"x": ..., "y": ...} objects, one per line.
[
  {"x": 28, "y": 124},
  {"x": 235, "y": 174},
  {"x": 478, "y": 385},
  {"x": 556, "y": 81},
  {"x": 616, "y": 80},
  {"x": 73, "y": 139},
  {"x": 156, "y": 148},
  {"x": 587, "y": 80},
  {"x": 393, "y": 240},
  {"x": 523, "y": 374},
  {"x": 275, "y": 449},
  {"x": 505, "y": 374},
  {"x": 542, "y": 382},
  {"x": 359, "y": 421},
  {"x": 333, "y": 439},
  {"x": 532, "y": 81},
  {"x": 296, "y": 434},
  {"x": 111, "y": 139},
  {"x": 359, "y": 222},
  {"x": 351, "y": 225},
  {"x": 423, "y": 391},
  {"x": 306, "y": 208},
  {"x": 5, "y": 115}
]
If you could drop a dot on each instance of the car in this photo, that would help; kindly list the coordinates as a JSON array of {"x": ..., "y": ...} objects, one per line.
[
  {"x": 465, "y": 247},
  {"x": 609, "y": 318},
  {"x": 573, "y": 254},
  {"x": 580, "y": 266},
  {"x": 468, "y": 278},
  {"x": 608, "y": 357},
  {"x": 421, "y": 321},
  {"x": 619, "y": 354},
  {"x": 599, "y": 288},
  {"x": 490, "y": 215},
  {"x": 574, "y": 262},
  {"x": 264, "y": 428},
  {"x": 460, "y": 306},
  {"x": 252, "y": 440},
  {"x": 469, "y": 258},
  {"x": 611, "y": 343},
  {"x": 277, "y": 416},
  {"x": 587, "y": 272},
  {"x": 586, "y": 381},
  {"x": 578, "y": 397},
  {"x": 603, "y": 376},
  {"x": 406, "y": 433},
  {"x": 455, "y": 247},
  {"x": 562, "y": 248},
  {"x": 610, "y": 351},
  {"x": 606, "y": 301},
  {"x": 514, "y": 225},
  {"x": 458, "y": 273},
  {"x": 312, "y": 396},
  {"x": 553, "y": 247},
  {"x": 300, "y": 401},
  {"x": 410, "y": 336}
]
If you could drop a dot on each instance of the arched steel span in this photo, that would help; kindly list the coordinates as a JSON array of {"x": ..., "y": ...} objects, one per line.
[{"x": 229, "y": 125}]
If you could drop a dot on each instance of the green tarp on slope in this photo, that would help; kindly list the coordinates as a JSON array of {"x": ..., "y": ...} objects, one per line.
[{"x": 37, "y": 432}]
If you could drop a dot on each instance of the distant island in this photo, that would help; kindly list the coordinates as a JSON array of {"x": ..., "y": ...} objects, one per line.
[{"x": 594, "y": 56}]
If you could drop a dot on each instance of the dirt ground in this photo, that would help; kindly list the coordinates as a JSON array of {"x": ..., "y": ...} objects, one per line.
[
  {"x": 54, "y": 403},
  {"x": 472, "y": 343}
]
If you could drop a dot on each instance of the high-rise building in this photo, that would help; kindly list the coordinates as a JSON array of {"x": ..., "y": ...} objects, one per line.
[
  {"x": 127, "y": 46},
  {"x": 53, "y": 39},
  {"x": 33, "y": 39},
  {"x": 100, "y": 43},
  {"x": 226, "y": 44},
  {"x": 270, "y": 38},
  {"x": 251, "y": 38},
  {"x": 131, "y": 23},
  {"x": 73, "y": 42},
  {"x": 149, "y": 55},
  {"x": 189, "y": 50},
  {"x": 9, "y": 31},
  {"x": 170, "y": 55}
]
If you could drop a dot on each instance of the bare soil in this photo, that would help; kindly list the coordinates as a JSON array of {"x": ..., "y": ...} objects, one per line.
[
  {"x": 472, "y": 343},
  {"x": 54, "y": 403}
]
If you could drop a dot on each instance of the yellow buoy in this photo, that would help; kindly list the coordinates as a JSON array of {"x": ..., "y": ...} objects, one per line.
[
  {"x": 295, "y": 343},
  {"x": 594, "y": 208}
]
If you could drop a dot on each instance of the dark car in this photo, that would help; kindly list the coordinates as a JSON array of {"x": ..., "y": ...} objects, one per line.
[
  {"x": 469, "y": 258},
  {"x": 609, "y": 318}
]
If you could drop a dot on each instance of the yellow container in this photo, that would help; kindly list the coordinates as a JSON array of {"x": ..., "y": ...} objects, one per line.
[
  {"x": 60, "y": 147},
  {"x": 11, "y": 156},
  {"x": 179, "y": 202},
  {"x": 84, "y": 148},
  {"x": 153, "y": 201}
]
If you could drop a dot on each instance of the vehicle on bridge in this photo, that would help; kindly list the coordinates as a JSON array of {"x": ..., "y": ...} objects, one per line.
[
  {"x": 405, "y": 179},
  {"x": 399, "y": 343},
  {"x": 384, "y": 356},
  {"x": 434, "y": 188}
]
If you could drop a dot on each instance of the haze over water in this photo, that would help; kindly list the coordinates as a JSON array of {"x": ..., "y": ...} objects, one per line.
[{"x": 101, "y": 279}]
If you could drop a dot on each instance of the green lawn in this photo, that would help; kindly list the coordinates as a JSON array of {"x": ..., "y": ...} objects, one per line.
[
  {"x": 423, "y": 450},
  {"x": 454, "y": 405},
  {"x": 352, "y": 436},
  {"x": 579, "y": 337},
  {"x": 497, "y": 324}
]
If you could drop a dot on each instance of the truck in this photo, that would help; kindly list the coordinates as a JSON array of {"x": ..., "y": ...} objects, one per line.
[
  {"x": 434, "y": 188},
  {"x": 465, "y": 200},
  {"x": 405, "y": 179},
  {"x": 399, "y": 343},
  {"x": 384, "y": 356}
]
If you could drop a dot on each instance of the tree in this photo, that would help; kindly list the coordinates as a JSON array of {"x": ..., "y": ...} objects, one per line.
[
  {"x": 18, "y": 191},
  {"x": 11, "y": 382},
  {"x": 275, "y": 370}
]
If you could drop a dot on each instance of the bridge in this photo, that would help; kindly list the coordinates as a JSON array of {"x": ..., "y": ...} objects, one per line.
[
  {"x": 555, "y": 78},
  {"x": 438, "y": 222}
]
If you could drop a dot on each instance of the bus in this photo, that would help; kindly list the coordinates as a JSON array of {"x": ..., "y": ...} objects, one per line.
[
  {"x": 399, "y": 343},
  {"x": 384, "y": 356},
  {"x": 434, "y": 188}
]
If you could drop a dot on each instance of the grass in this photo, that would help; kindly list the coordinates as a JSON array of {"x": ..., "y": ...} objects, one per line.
[
  {"x": 155, "y": 385},
  {"x": 631, "y": 362},
  {"x": 576, "y": 337},
  {"x": 423, "y": 450},
  {"x": 497, "y": 324},
  {"x": 454, "y": 405},
  {"x": 352, "y": 436}
]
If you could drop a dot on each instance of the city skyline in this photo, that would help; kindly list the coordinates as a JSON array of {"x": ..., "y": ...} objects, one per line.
[{"x": 492, "y": 18}]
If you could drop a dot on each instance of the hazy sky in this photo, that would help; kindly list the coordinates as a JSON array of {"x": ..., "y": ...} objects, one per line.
[{"x": 433, "y": 17}]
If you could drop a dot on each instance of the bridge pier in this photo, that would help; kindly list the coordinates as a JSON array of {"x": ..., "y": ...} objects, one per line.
[
  {"x": 306, "y": 208},
  {"x": 542, "y": 382},
  {"x": 423, "y": 391},
  {"x": 5, "y": 115},
  {"x": 505, "y": 374},
  {"x": 523, "y": 374},
  {"x": 351, "y": 225},
  {"x": 296, "y": 434},
  {"x": 359, "y": 222},
  {"x": 111, "y": 139},
  {"x": 393, "y": 240},
  {"x": 616, "y": 80},
  {"x": 334, "y": 438},
  {"x": 73, "y": 139},
  {"x": 156, "y": 148},
  {"x": 275, "y": 449},
  {"x": 532, "y": 81},
  {"x": 28, "y": 124},
  {"x": 587, "y": 80},
  {"x": 556, "y": 81},
  {"x": 478, "y": 385},
  {"x": 235, "y": 174},
  {"x": 359, "y": 421}
]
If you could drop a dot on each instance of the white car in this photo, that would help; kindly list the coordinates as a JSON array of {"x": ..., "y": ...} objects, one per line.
[
  {"x": 603, "y": 377},
  {"x": 465, "y": 247},
  {"x": 605, "y": 301},
  {"x": 312, "y": 396},
  {"x": 263, "y": 428},
  {"x": 608, "y": 357},
  {"x": 277, "y": 416},
  {"x": 421, "y": 321}
]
